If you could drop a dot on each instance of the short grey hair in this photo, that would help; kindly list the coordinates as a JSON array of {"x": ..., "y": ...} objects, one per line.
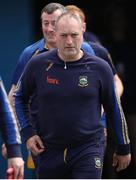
[
  {"x": 51, "y": 7},
  {"x": 70, "y": 14}
]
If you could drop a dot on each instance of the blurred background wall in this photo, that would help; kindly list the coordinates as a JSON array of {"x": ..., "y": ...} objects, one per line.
[
  {"x": 16, "y": 23},
  {"x": 112, "y": 21}
]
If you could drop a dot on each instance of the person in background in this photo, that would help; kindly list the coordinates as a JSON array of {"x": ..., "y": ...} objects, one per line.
[
  {"x": 69, "y": 136},
  {"x": 10, "y": 134},
  {"x": 91, "y": 37},
  {"x": 49, "y": 14}
]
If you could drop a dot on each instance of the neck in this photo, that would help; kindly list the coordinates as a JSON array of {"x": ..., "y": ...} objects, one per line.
[
  {"x": 70, "y": 58},
  {"x": 50, "y": 45}
]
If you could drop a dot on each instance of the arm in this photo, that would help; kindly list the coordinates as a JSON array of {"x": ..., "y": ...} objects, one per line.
[
  {"x": 116, "y": 120},
  {"x": 22, "y": 111},
  {"x": 10, "y": 134},
  {"x": 24, "y": 57},
  {"x": 21, "y": 64},
  {"x": 11, "y": 92},
  {"x": 25, "y": 89},
  {"x": 118, "y": 85},
  {"x": 8, "y": 124},
  {"x": 23, "y": 60}
]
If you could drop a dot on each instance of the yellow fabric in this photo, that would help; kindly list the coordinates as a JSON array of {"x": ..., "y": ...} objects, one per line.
[
  {"x": 30, "y": 163},
  {"x": 46, "y": 46},
  {"x": 65, "y": 155}
]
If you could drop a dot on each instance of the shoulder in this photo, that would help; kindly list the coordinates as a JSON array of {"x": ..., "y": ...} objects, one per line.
[
  {"x": 86, "y": 47},
  {"x": 91, "y": 37},
  {"x": 103, "y": 53},
  {"x": 97, "y": 62},
  {"x": 44, "y": 57},
  {"x": 51, "y": 53},
  {"x": 95, "y": 49},
  {"x": 28, "y": 52},
  {"x": 41, "y": 61},
  {"x": 102, "y": 68},
  {"x": 33, "y": 47},
  {"x": 99, "y": 49}
]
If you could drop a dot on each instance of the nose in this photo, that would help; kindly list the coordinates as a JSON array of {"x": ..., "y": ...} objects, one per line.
[
  {"x": 51, "y": 27},
  {"x": 69, "y": 39}
]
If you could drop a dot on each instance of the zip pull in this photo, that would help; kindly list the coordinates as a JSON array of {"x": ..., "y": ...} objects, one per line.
[{"x": 65, "y": 65}]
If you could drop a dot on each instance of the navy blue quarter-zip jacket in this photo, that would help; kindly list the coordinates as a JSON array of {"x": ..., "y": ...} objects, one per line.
[{"x": 69, "y": 97}]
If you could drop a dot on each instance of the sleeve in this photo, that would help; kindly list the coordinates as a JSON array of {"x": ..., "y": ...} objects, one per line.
[
  {"x": 110, "y": 62},
  {"x": 87, "y": 48},
  {"x": 8, "y": 125},
  {"x": 23, "y": 60},
  {"x": 114, "y": 111},
  {"x": 25, "y": 89}
]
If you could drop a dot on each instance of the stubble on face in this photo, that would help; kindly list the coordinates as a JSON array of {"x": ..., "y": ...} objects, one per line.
[{"x": 69, "y": 36}]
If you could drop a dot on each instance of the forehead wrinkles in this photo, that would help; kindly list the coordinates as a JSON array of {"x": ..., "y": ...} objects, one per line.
[
  {"x": 51, "y": 17},
  {"x": 68, "y": 19}
]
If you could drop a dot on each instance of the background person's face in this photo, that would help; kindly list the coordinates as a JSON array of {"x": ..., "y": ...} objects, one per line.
[
  {"x": 69, "y": 37},
  {"x": 48, "y": 26}
]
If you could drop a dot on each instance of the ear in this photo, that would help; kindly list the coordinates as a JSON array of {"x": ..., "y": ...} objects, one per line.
[{"x": 84, "y": 27}]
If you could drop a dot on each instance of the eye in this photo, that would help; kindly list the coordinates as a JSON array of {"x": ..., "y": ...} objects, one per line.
[
  {"x": 45, "y": 23},
  {"x": 63, "y": 35},
  {"x": 74, "y": 35},
  {"x": 53, "y": 23}
]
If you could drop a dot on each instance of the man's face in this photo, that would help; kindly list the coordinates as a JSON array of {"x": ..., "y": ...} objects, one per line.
[
  {"x": 69, "y": 37},
  {"x": 48, "y": 26}
]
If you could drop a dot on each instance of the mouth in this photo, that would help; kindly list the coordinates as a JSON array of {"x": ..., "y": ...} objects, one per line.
[
  {"x": 50, "y": 35},
  {"x": 69, "y": 48}
]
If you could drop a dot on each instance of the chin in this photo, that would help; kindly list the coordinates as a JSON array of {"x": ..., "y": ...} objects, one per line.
[
  {"x": 70, "y": 56},
  {"x": 52, "y": 40}
]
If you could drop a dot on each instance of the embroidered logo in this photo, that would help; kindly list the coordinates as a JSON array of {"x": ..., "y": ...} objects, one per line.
[
  {"x": 83, "y": 82},
  {"x": 52, "y": 80},
  {"x": 98, "y": 163}
]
